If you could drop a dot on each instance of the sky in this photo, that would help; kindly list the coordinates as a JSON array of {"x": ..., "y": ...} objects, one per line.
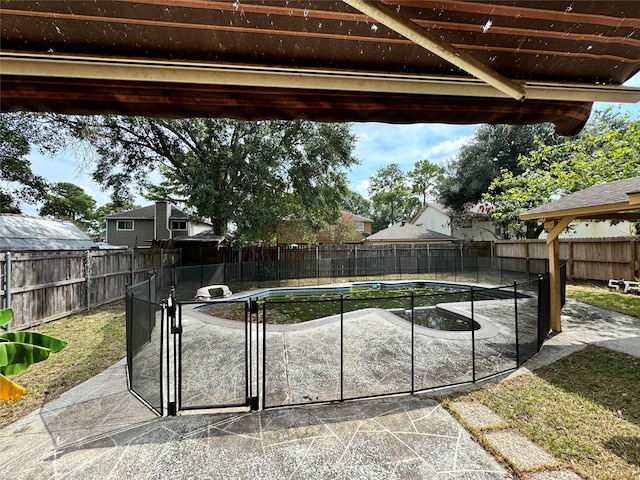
[{"x": 377, "y": 146}]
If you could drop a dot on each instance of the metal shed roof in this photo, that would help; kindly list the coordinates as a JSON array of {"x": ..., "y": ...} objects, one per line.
[{"x": 24, "y": 233}]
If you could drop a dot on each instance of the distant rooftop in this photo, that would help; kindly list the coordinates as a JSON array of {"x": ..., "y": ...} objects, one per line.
[
  {"x": 147, "y": 212},
  {"x": 408, "y": 232}
]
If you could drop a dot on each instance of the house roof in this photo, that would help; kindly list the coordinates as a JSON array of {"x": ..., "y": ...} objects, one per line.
[
  {"x": 606, "y": 200},
  {"x": 24, "y": 233},
  {"x": 359, "y": 218},
  {"x": 407, "y": 232},
  {"x": 434, "y": 205},
  {"x": 479, "y": 210},
  {"x": 146, "y": 213},
  {"x": 396, "y": 61}
]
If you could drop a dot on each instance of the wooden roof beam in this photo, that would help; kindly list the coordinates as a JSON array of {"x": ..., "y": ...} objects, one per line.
[
  {"x": 448, "y": 52},
  {"x": 110, "y": 68}
]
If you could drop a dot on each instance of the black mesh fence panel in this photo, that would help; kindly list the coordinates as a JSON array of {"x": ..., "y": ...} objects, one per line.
[
  {"x": 494, "y": 310},
  {"x": 442, "y": 356},
  {"x": 529, "y": 310},
  {"x": 302, "y": 361},
  {"x": 145, "y": 339},
  {"x": 213, "y": 355},
  {"x": 377, "y": 346}
]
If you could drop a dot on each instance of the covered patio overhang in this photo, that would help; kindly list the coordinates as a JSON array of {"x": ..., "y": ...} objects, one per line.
[
  {"x": 619, "y": 200},
  {"x": 394, "y": 61}
]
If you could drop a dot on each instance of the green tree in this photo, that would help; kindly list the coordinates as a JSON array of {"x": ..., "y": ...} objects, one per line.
[
  {"x": 249, "y": 173},
  {"x": 607, "y": 149},
  {"x": 425, "y": 179},
  {"x": 355, "y": 203},
  {"x": 342, "y": 230},
  {"x": 70, "y": 202},
  {"x": 493, "y": 149},
  {"x": 390, "y": 196},
  {"x": 19, "y": 184}
]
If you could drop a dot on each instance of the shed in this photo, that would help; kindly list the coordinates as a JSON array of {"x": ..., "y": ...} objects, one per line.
[{"x": 22, "y": 233}]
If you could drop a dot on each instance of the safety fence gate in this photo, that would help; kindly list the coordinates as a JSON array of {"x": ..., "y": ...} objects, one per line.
[
  {"x": 216, "y": 365},
  {"x": 237, "y": 354}
]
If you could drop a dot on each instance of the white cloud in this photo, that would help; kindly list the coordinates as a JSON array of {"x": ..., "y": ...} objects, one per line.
[
  {"x": 447, "y": 149},
  {"x": 380, "y": 144},
  {"x": 361, "y": 187}
]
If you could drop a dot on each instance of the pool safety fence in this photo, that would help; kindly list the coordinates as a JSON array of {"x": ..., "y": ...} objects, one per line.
[
  {"x": 396, "y": 264},
  {"x": 241, "y": 353}
]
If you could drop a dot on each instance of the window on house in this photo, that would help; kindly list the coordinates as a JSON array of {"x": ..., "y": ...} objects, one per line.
[
  {"x": 178, "y": 225},
  {"x": 124, "y": 225},
  {"x": 360, "y": 227}
]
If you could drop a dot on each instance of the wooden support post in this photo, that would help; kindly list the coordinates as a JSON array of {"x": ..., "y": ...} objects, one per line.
[
  {"x": 633, "y": 260},
  {"x": 554, "y": 284},
  {"x": 554, "y": 227}
]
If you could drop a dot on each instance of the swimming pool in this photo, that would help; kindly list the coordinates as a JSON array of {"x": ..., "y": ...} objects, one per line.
[{"x": 417, "y": 301}]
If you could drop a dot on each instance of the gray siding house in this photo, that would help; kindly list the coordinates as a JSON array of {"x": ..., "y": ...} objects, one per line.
[{"x": 141, "y": 226}]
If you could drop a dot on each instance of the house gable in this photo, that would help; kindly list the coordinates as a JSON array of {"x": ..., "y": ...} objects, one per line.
[
  {"x": 433, "y": 217},
  {"x": 141, "y": 226}
]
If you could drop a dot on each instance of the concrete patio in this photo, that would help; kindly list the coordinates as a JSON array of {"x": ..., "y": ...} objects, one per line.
[{"x": 100, "y": 430}]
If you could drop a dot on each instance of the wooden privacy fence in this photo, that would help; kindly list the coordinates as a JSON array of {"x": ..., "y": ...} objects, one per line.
[
  {"x": 44, "y": 286},
  {"x": 587, "y": 258}
]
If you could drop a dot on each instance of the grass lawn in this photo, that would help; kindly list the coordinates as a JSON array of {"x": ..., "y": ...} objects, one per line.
[
  {"x": 604, "y": 298},
  {"x": 584, "y": 409},
  {"x": 96, "y": 340}
]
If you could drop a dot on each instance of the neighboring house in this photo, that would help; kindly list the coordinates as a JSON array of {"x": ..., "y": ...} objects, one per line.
[
  {"x": 473, "y": 225},
  {"x": 593, "y": 229},
  {"x": 289, "y": 234},
  {"x": 142, "y": 226},
  {"x": 21, "y": 233},
  {"x": 361, "y": 229},
  {"x": 476, "y": 225},
  {"x": 407, "y": 233}
]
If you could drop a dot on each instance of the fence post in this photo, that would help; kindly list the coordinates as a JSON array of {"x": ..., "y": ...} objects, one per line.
[
  {"x": 515, "y": 301},
  {"x": 133, "y": 267},
  {"x": 413, "y": 356},
  {"x": 87, "y": 269},
  {"x": 161, "y": 267},
  {"x": 355, "y": 259},
  {"x": 473, "y": 338},
  {"x": 395, "y": 259},
  {"x": 7, "y": 277},
  {"x": 341, "y": 347}
]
